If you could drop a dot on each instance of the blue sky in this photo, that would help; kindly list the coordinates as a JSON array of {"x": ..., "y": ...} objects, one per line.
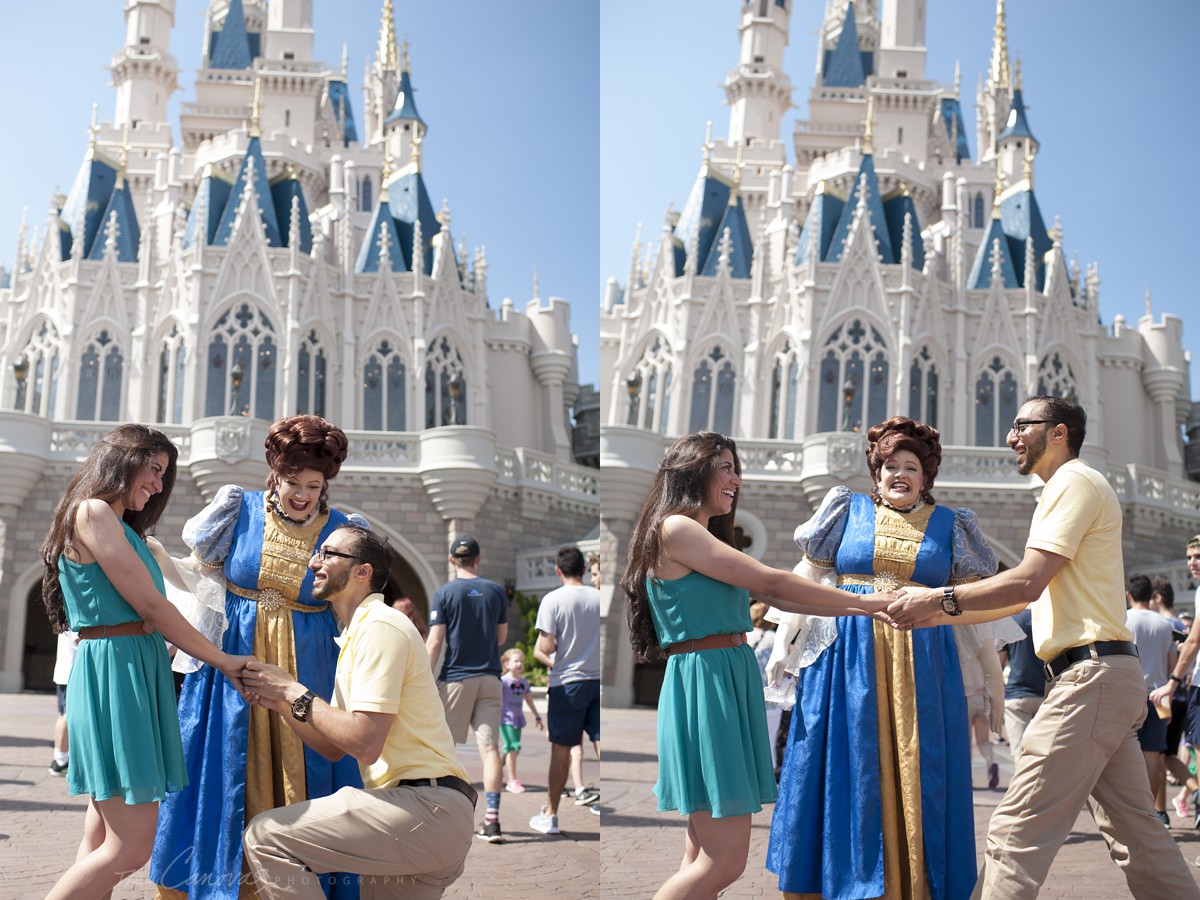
[
  {"x": 509, "y": 91},
  {"x": 1106, "y": 85}
]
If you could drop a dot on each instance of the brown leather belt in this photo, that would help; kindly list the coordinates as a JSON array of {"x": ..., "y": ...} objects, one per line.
[
  {"x": 712, "y": 642},
  {"x": 125, "y": 629},
  {"x": 450, "y": 781}
]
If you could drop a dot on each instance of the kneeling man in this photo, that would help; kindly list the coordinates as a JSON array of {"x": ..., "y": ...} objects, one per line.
[{"x": 407, "y": 832}]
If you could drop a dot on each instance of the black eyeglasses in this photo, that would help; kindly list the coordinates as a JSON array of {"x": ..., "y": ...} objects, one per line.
[
  {"x": 1019, "y": 426},
  {"x": 322, "y": 554}
]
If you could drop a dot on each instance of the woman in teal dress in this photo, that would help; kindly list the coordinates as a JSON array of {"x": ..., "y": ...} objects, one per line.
[
  {"x": 102, "y": 582},
  {"x": 688, "y": 597},
  {"x": 875, "y": 787},
  {"x": 255, "y": 547}
]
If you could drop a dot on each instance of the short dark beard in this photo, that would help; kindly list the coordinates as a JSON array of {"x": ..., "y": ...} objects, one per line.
[
  {"x": 333, "y": 584},
  {"x": 1033, "y": 453}
]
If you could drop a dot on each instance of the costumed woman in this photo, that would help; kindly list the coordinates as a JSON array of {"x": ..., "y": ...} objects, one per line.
[
  {"x": 102, "y": 581},
  {"x": 251, "y": 551},
  {"x": 688, "y": 595},
  {"x": 875, "y": 789}
]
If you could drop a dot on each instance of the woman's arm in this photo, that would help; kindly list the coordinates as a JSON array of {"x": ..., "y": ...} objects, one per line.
[
  {"x": 98, "y": 529},
  {"x": 163, "y": 558},
  {"x": 687, "y": 542}
]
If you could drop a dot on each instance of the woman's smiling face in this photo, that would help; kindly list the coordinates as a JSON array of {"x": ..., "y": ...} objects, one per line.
[
  {"x": 901, "y": 479},
  {"x": 723, "y": 486},
  {"x": 300, "y": 493}
]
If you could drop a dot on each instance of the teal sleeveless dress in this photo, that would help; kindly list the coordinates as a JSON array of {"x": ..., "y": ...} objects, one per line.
[
  {"x": 120, "y": 698},
  {"x": 713, "y": 748}
]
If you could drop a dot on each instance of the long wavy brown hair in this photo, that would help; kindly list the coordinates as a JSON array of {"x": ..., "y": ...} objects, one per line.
[
  {"x": 902, "y": 433},
  {"x": 305, "y": 442},
  {"x": 106, "y": 475},
  {"x": 679, "y": 488}
]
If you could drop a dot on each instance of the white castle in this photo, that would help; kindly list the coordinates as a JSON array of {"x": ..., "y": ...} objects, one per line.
[
  {"x": 284, "y": 256},
  {"x": 886, "y": 269}
]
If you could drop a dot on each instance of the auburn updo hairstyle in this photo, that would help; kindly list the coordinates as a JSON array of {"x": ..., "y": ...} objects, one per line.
[
  {"x": 902, "y": 433},
  {"x": 304, "y": 442}
]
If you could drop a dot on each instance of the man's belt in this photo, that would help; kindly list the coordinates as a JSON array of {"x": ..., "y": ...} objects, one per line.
[
  {"x": 1073, "y": 655},
  {"x": 125, "y": 629},
  {"x": 450, "y": 781},
  {"x": 712, "y": 642}
]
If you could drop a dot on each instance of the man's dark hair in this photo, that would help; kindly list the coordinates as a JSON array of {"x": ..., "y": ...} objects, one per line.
[
  {"x": 1139, "y": 588},
  {"x": 570, "y": 562},
  {"x": 1165, "y": 591},
  {"x": 373, "y": 549},
  {"x": 1062, "y": 411}
]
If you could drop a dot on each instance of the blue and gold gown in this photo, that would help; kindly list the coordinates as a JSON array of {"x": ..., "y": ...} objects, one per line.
[
  {"x": 875, "y": 792},
  {"x": 242, "y": 760}
]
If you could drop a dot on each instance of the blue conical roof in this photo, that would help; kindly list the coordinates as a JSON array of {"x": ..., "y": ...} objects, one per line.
[
  {"x": 956, "y": 129},
  {"x": 211, "y": 197},
  {"x": 283, "y": 191},
  {"x": 819, "y": 227},
  {"x": 846, "y": 65},
  {"x": 230, "y": 48},
  {"x": 741, "y": 250},
  {"x": 368, "y": 253},
  {"x": 343, "y": 112},
  {"x": 128, "y": 233},
  {"x": 410, "y": 203},
  {"x": 1017, "y": 125},
  {"x": 895, "y": 210},
  {"x": 981, "y": 271},
  {"x": 253, "y": 160},
  {"x": 700, "y": 218},
  {"x": 88, "y": 198},
  {"x": 406, "y": 107},
  {"x": 1021, "y": 218},
  {"x": 878, "y": 220}
]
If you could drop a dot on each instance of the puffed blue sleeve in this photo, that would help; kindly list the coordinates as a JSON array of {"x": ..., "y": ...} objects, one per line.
[
  {"x": 820, "y": 536},
  {"x": 210, "y": 532},
  {"x": 971, "y": 557}
]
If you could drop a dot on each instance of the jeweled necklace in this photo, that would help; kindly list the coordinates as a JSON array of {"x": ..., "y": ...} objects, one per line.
[
  {"x": 905, "y": 510},
  {"x": 278, "y": 507}
]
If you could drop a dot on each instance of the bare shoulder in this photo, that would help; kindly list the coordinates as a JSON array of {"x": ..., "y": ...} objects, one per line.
[{"x": 95, "y": 513}]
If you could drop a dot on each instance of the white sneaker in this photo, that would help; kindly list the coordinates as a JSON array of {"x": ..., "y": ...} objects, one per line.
[{"x": 544, "y": 822}]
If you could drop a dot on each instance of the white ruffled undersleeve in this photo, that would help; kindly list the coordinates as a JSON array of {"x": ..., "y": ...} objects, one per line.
[{"x": 203, "y": 605}]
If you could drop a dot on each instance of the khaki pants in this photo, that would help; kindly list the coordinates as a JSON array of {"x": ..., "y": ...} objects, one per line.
[
  {"x": 408, "y": 842},
  {"x": 1082, "y": 747},
  {"x": 1018, "y": 713}
]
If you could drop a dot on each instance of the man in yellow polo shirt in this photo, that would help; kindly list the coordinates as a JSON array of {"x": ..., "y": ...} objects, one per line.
[
  {"x": 1081, "y": 746},
  {"x": 407, "y": 832}
]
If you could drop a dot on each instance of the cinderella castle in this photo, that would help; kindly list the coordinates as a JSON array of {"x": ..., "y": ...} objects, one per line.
[
  {"x": 282, "y": 256},
  {"x": 897, "y": 261}
]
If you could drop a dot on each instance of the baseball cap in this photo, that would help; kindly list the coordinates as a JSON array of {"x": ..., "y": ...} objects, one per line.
[{"x": 464, "y": 547}]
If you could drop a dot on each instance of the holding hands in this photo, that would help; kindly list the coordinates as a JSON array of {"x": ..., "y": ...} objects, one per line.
[
  {"x": 268, "y": 686},
  {"x": 913, "y": 605},
  {"x": 234, "y": 668}
]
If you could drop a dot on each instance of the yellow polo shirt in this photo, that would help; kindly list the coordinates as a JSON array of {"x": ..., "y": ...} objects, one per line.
[
  {"x": 1078, "y": 517},
  {"x": 383, "y": 667}
]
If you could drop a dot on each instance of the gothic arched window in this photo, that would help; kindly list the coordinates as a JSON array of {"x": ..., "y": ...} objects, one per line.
[
  {"x": 923, "y": 388},
  {"x": 385, "y": 390},
  {"x": 310, "y": 376},
  {"x": 445, "y": 386},
  {"x": 996, "y": 403},
  {"x": 854, "y": 378},
  {"x": 242, "y": 355},
  {"x": 101, "y": 367},
  {"x": 36, "y": 373},
  {"x": 712, "y": 403},
  {"x": 649, "y": 388},
  {"x": 171, "y": 360},
  {"x": 365, "y": 199},
  {"x": 1055, "y": 378},
  {"x": 977, "y": 211},
  {"x": 785, "y": 383}
]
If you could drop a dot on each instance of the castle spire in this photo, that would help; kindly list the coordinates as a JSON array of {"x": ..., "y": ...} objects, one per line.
[
  {"x": 999, "y": 75},
  {"x": 385, "y": 55}
]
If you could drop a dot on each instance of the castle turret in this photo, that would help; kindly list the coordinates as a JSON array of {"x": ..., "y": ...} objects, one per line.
[
  {"x": 759, "y": 91},
  {"x": 144, "y": 72}
]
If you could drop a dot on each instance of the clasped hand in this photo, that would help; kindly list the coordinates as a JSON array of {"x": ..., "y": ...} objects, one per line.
[
  {"x": 913, "y": 605},
  {"x": 267, "y": 685}
]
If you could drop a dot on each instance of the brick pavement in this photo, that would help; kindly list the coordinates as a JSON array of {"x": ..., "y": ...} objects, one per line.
[
  {"x": 40, "y": 825},
  {"x": 641, "y": 846}
]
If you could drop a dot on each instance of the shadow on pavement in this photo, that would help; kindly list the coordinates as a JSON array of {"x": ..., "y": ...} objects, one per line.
[{"x": 18, "y": 806}]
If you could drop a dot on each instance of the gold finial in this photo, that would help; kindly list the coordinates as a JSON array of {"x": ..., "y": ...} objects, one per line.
[
  {"x": 123, "y": 159},
  {"x": 957, "y": 78},
  {"x": 345, "y": 60},
  {"x": 736, "y": 190},
  {"x": 404, "y": 58},
  {"x": 707, "y": 148},
  {"x": 997, "y": 191},
  {"x": 1000, "y": 76},
  {"x": 385, "y": 55},
  {"x": 387, "y": 165},
  {"x": 418, "y": 137},
  {"x": 868, "y": 141},
  {"x": 1028, "y": 170},
  {"x": 1017, "y": 72},
  {"x": 255, "y": 109},
  {"x": 93, "y": 130}
]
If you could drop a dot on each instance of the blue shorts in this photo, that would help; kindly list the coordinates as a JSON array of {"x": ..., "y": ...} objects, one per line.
[
  {"x": 1153, "y": 734},
  {"x": 573, "y": 709},
  {"x": 62, "y": 699}
]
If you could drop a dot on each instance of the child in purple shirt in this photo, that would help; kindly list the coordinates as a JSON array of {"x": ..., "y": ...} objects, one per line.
[{"x": 512, "y": 717}]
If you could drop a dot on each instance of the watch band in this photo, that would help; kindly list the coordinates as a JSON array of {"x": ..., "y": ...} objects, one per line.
[{"x": 949, "y": 603}]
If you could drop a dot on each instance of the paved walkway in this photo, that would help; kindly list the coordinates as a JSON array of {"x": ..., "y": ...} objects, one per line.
[
  {"x": 40, "y": 825},
  {"x": 642, "y": 847}
]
